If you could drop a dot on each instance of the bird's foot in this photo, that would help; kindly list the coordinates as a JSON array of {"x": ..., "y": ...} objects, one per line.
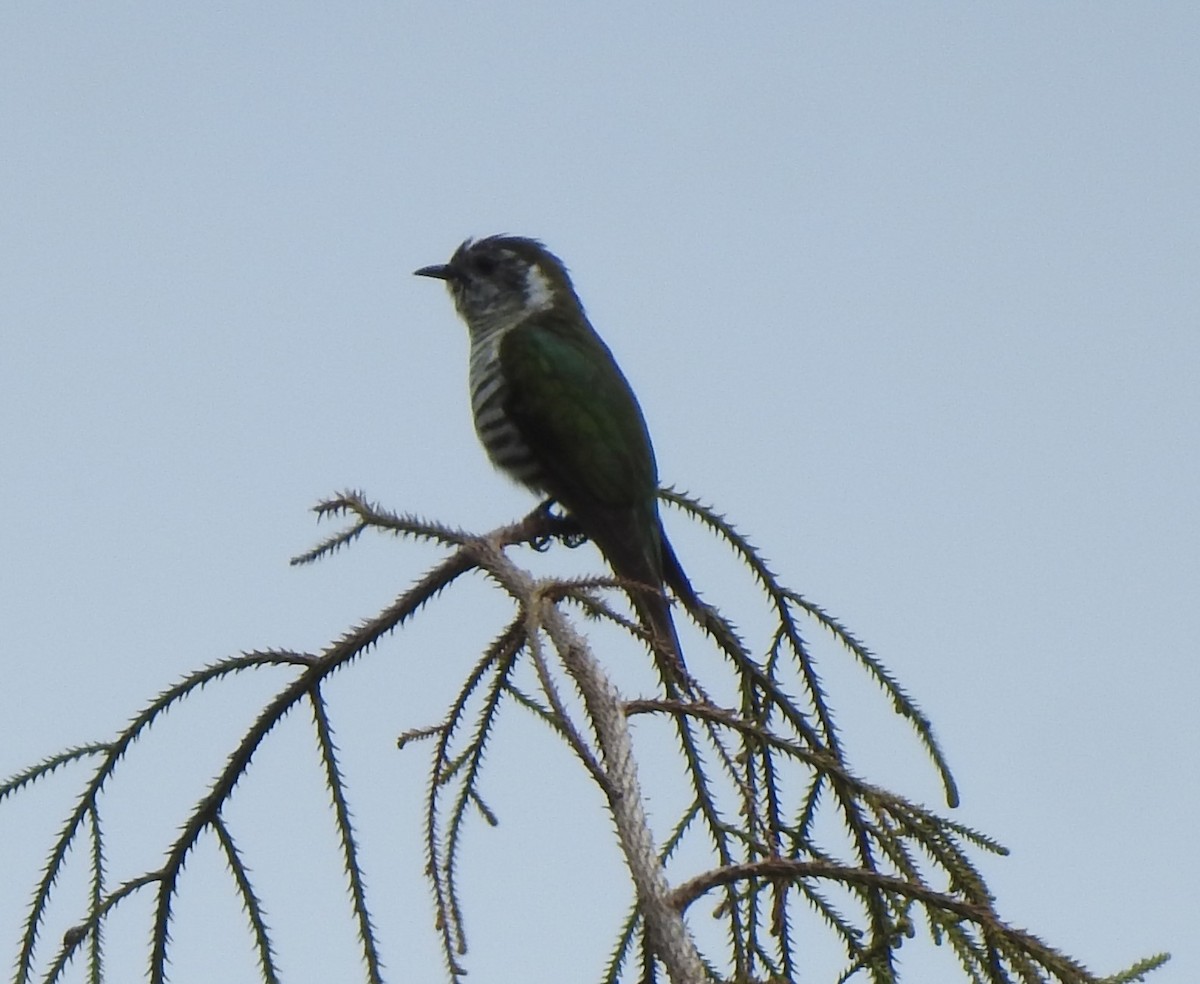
[{"x": 557, "y": 525}]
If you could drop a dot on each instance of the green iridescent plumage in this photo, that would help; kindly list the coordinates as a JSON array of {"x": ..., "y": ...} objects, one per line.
[{"x": 553, "y": 408}]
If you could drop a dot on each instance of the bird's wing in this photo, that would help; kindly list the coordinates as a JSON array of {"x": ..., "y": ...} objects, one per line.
[
  {"x": 578, "y": 415},
  {"x": 576, "y": 411}
]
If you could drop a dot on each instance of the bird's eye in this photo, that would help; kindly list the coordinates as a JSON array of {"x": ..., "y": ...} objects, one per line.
[{"x": 485, "y": 265}]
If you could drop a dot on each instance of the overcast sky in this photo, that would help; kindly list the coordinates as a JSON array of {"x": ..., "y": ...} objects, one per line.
[{"x": 911, "y": 292}]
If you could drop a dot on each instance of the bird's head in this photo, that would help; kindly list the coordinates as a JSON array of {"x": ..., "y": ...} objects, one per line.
[{"x": 501, "y": 280}]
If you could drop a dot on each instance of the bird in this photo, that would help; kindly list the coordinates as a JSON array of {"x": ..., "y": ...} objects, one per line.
[{"x": 554, "y": 411}]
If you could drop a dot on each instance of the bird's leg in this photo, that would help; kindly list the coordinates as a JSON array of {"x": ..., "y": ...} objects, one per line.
[
  {"x": 555, "y": 526},
  {"x": 558, "y": 525}
]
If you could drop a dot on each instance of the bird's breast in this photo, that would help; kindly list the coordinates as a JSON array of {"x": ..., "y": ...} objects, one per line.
[{"x": 497, "y": 432}]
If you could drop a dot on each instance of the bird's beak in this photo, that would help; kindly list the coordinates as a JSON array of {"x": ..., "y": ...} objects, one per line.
[{"x": 440, "y": 271}]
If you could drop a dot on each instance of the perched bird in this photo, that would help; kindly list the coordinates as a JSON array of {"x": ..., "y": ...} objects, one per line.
[{"x": 554, "y": 411}]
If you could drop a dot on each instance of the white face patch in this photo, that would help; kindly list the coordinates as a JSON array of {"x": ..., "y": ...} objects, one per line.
[{"x": 539, "y": 295}]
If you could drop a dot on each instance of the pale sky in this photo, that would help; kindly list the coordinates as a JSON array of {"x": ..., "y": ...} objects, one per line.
[{"x": 911, "y": 292}]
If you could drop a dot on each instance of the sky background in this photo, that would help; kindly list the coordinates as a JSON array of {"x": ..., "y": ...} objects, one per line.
[{"x": 911, "y": 292}]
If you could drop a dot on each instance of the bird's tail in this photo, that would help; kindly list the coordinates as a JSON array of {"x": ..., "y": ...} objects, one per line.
[
  {"x": 704, "y": 615},
  {"x": 675, "y": 577},
  {"x": 654, "y": 612}
]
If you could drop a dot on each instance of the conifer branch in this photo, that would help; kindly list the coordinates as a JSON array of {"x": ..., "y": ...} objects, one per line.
[
  {"x": 761, "y": 775},
  {"x": 250, "y": 903}
]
